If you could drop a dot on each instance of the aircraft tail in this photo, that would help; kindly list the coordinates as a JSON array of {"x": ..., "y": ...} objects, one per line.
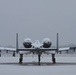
[
  {"x": 57, "y": 42},
  {"x": 17, "y": 42}
]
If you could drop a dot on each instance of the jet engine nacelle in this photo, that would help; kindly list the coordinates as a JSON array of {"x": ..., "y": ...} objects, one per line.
[
  {"x": 47, "y": 43},
  {"x": 27, "y": 43}
]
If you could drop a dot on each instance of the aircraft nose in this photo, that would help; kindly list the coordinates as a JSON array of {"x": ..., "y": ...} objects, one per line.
[{"x": 37, "y": 47}]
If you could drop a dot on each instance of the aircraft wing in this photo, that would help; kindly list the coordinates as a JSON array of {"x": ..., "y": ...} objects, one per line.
[
  {"x": 1, "y": 48},
  {"x": 42, "y": 49},
  {"x": 67, "y": 48},
  {"x": 27, "y": 49},
  {"x": 64, "y": 49},
  {"x": 9, "y": 49},
  {"x": 13, "y": 49},
  {"x": 33, "y": 49}
]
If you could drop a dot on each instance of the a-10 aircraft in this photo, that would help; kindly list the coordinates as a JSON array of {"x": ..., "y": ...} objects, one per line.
[{"x": 36, "y": 48}]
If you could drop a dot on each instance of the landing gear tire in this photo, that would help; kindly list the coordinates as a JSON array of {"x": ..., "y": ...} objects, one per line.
[
  {"x": 54, "y": 60},
  {"x": 20, "y": 60}
]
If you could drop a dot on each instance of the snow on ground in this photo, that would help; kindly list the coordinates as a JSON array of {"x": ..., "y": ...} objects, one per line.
[{"x": 66, "y": 65}]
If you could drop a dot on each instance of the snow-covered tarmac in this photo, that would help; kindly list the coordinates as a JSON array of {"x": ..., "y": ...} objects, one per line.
[{"x": 65, "y": 65}]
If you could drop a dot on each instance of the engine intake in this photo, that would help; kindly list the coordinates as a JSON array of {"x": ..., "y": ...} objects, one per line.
[
  {"x": 27, "y": 43},
  {"x": 47, "y": 43}
]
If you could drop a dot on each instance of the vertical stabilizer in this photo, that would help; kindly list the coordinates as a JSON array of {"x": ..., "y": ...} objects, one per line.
[
  {"x": 17, "y": 42},
  {"x": 57, "y": 42}
]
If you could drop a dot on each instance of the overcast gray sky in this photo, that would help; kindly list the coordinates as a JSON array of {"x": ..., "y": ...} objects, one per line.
[{"x": 37, "y": 19}]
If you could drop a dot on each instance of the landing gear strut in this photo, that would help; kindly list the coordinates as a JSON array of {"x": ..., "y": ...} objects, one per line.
[
  {"x": 21, "y": 58},
  {"x": 0, "y": 53},
  {"x": 39, "y": 59},
  {"x": 53, "y": 58},
  {"x": 13, "y": 53}
]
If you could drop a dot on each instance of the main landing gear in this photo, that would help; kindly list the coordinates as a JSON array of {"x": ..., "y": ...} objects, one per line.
[
  {"x": 39, "y": 59},
  {"x": 53, "y": 58},
  {"x": 14, "y": 54},
  {"x": 21, "y": 58}
]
